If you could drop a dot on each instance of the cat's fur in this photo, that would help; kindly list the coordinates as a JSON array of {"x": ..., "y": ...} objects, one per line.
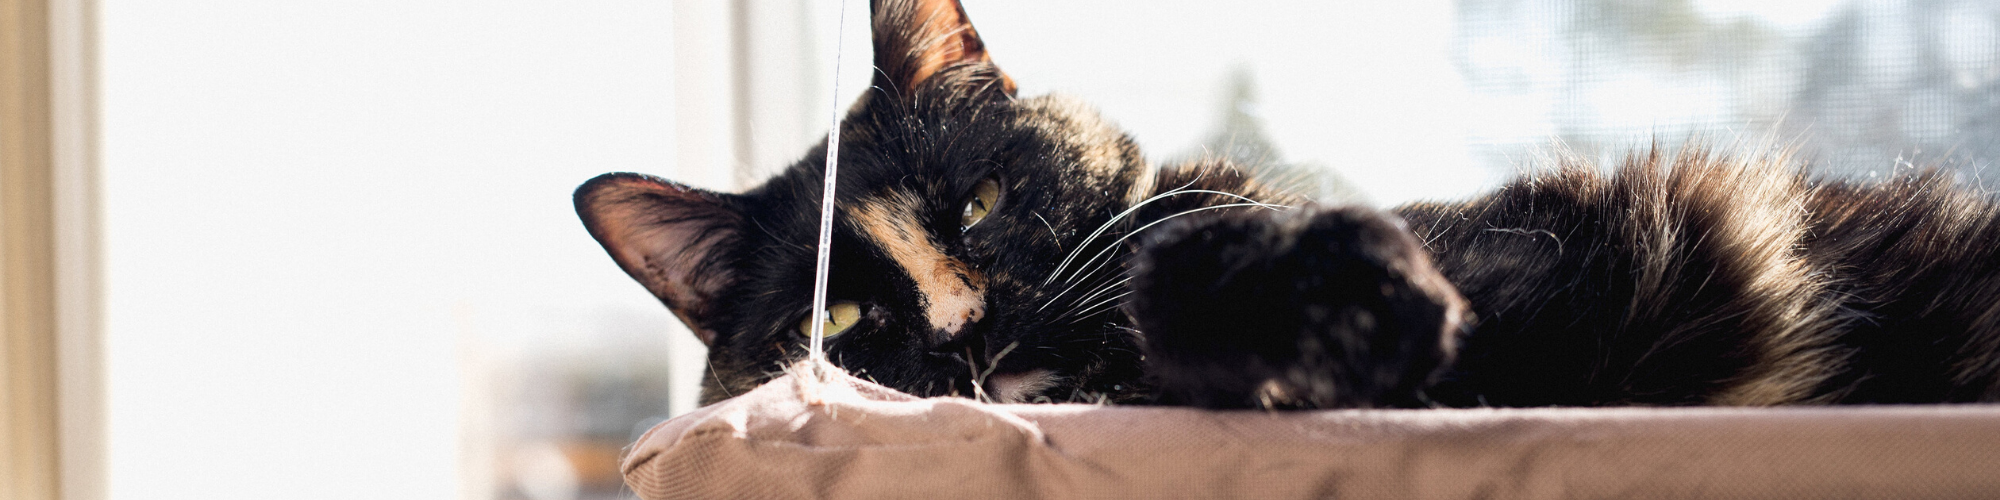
[{"x": 1679, "y": 277}]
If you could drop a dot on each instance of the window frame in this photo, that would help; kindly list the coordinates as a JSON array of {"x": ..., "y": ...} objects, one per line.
[{"x": 50, "y": 293}]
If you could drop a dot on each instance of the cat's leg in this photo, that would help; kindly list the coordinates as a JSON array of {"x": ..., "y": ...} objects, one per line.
[{"x": 1309, "y": 308}]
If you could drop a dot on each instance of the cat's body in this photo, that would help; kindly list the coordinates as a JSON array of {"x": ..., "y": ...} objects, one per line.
[
  {"x": 1022, "y": 250},
  {"x": 1720, "y": 281}
]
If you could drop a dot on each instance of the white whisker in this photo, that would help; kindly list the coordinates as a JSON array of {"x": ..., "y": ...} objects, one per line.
[
  {"x": 1099, "y": 307},
  {"x": 1052, "y": 231},
  {"x": 1074, "y": 282},
  {"x": 1092, "y": 283},
  {"x": 1114, "y": 244},
  {"x": 1102, "y": 290},
  {"x": 1114, "y": 219}
]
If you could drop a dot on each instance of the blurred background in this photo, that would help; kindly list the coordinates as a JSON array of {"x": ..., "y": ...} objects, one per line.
[{"x": 341, "y": 260}]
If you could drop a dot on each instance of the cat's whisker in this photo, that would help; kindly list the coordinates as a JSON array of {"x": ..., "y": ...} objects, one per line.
[
  {"x": 1114, "y": 220},
  {"x": 1091, "y": 281},
  {"x": 1086, "y": 309},
  {"x": 1053, "y": 236},
  {"x": 1104, "y": 277},
  {"x": 1105, "y": 305},
  {"x": 1247, "y": 202},
  {"x": 1135, "y": 207},
  {"x": 1097, "y": 278},
  {"x": 1114, "y": 244},
  {"x": 1074, "y": 282},
  {"x": 1103, "y": 289}
]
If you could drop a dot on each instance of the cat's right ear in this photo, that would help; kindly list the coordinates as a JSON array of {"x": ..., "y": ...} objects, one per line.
[
  {"x": 670, "y": 237},
  {"x": 916, "y": 40}
]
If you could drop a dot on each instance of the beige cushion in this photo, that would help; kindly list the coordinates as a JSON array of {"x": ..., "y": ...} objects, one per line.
[{"x": 865, "y": 441}]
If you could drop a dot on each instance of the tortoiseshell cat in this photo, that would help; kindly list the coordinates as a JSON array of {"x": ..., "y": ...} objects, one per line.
[{"x": 1021, "y": 249}]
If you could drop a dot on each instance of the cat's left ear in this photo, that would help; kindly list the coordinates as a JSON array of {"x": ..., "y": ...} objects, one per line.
[
  {"x": 674, "y": 239},
  {"x": 917, "y": 40}
]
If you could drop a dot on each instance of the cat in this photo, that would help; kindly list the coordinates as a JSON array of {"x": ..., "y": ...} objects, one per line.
[{"x": 1022, "y": 249}]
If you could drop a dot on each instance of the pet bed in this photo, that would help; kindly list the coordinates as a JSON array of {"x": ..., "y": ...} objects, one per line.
[{"x": 861, "y": 440}]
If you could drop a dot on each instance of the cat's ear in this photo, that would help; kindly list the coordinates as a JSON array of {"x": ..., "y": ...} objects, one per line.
[
  {"x": 916, "y": 40},
  {"x": 670, "y": 237}
]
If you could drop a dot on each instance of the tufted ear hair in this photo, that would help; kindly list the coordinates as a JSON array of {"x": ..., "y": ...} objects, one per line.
[
  {"x": 672, "y": 238},
  {"x": 918, "y": 39}
]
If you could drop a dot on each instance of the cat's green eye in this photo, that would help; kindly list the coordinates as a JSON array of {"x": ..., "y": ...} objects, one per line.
[
  {"x": 840, "y": 316},
  {"x": 979, "y": 203}
]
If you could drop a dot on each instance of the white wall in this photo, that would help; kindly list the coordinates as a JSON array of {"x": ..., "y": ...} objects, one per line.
[{"x": 312, "y": 206}]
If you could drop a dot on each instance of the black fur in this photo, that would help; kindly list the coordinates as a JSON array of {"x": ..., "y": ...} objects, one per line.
[
  {"x": 1678, "y": 278},
  {"x": 1919, "y": 262},
  {"x": 1304, "y": 308}
]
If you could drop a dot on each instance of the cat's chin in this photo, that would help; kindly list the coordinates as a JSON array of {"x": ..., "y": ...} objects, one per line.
[{"x": 1022, "y": 387}]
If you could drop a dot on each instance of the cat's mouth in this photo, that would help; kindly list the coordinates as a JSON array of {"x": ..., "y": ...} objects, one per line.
[{"x": 1019, "y": 383}]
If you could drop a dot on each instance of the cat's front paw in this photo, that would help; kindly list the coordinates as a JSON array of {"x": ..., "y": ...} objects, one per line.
[{"x": 1310, "y": 308}]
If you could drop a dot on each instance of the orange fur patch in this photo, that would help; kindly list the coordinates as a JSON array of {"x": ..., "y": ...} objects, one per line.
[{"x": 953, "y": 294}]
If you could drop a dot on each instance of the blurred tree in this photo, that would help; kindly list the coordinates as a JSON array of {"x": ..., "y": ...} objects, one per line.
[{"x": 1860, "y": 87}]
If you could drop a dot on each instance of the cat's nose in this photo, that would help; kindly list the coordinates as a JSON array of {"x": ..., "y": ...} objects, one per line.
[
  {"x": 954, "y": 297},
  {"x": 950, "y": 320}
]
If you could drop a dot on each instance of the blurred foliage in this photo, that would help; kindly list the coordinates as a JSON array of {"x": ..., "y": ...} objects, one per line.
[{"x": 1859, "y": 87}]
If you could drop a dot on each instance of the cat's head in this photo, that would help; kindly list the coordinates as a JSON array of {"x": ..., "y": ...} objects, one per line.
[{"x": 956, "y": 265}]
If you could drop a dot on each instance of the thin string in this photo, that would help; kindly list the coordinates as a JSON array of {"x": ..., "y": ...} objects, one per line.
[{"x": 817, "y": 343}]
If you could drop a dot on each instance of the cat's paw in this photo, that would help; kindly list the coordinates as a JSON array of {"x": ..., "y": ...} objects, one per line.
[{"x": 1310, "y": 308}]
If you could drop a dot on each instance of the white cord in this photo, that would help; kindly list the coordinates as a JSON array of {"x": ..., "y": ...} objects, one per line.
[{"x": 818, "y": 349}]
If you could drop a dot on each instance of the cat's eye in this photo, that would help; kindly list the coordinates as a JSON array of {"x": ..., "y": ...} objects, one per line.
[
  {"x": 840, "y": 316},
  {"x": 979, "y": 203}
]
